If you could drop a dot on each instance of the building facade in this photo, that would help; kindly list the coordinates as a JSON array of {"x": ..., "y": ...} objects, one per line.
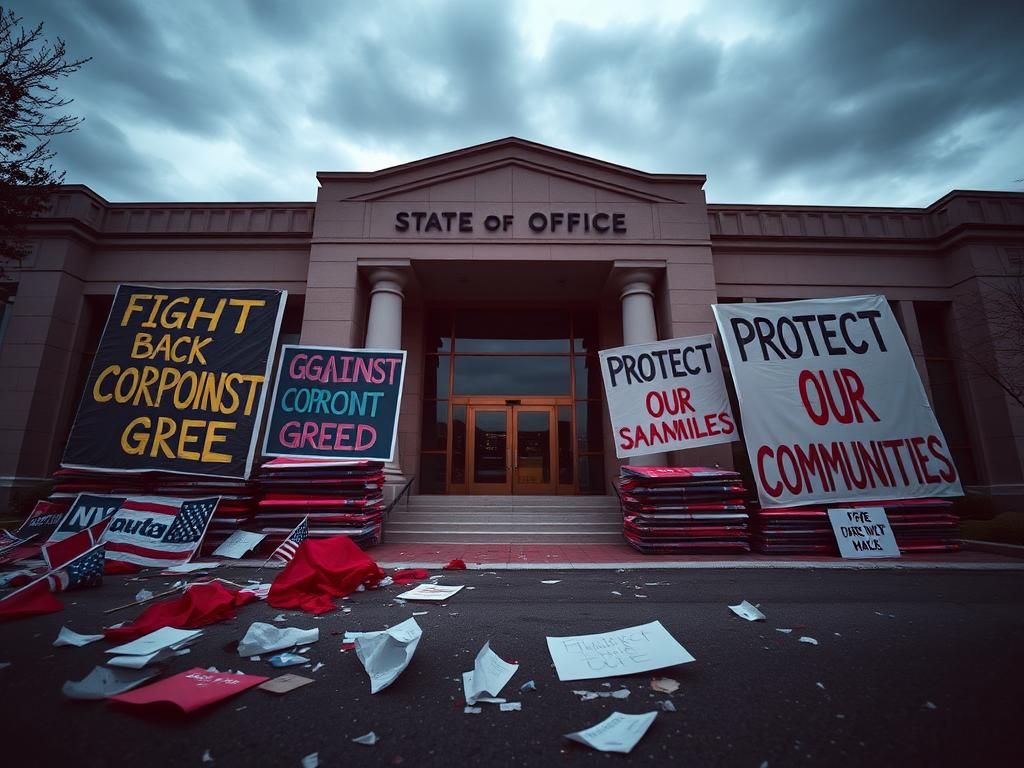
[{"x": 502, "y": 269}]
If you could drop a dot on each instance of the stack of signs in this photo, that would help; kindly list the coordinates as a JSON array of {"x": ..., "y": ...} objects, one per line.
[
  {"x": 683, "y": 509},
  {"x": 923, "y": 525},
  {"x": 340, "y": 498},
  {"x": 237, "y": 506},
  {"x": 793, "y": 531}
]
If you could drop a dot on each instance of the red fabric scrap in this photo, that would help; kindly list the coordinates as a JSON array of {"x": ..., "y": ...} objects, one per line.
[
  {"x": 33, "y": 601},
  {"x": 455, "y": 565},
  {"x": 409, "y": 575},
  {"x": 323, "y": 569},
  {"x": 201, "y": 604}
]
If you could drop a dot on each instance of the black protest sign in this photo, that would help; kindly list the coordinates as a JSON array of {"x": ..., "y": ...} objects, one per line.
[
  {"x": 42, "y": 522},
  {"x": 335, "y": 403},
  {"x": 178, "y": 382}
]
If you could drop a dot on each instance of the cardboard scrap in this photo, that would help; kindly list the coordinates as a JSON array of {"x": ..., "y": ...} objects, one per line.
[
  {"x": 284, "y": 683},
  {"x": 70, "y": 637}
]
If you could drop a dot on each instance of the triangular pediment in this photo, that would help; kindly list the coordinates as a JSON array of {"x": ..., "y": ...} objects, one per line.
[{"x": 509, "y": 170}]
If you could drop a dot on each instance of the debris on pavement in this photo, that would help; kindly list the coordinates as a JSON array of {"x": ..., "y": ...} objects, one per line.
[
  {"x": 489, "y": 675},
  {"x": 620, "y": 652},
  {"x": 616, "y": 733},
  {"x": 808, "y": 640},
  {"x": 434, "y": 593},
  {"x": 784, "y": 631},
  {"x": 622, "y": 693},
  {"x": 207, "y": 757},
  {"x": 747, "y": 611},
  {"x": 664, "y": 685},
  {"x": 284, "y": 683},
  {"x": 188, "y": 568},
  {"x": 552, "y": 581},
  {"x": 403, "y": 576},
  {"x": 286, "y": 660},
  {"x": 386, "y": 654},
  {"x": 143, "y": 595},
  {"x": 511, "y": 706},
  {"x": 529, "y": 685},
  {"x": 467, "y": 710},
  {"x": 263, "y": 638},
  {"x": 667, "y": 706},
  {"x": 369, "y": 739},
  {"x": 103, "y": 682},
  {"x": 70, "y": 637},
  {"x": 930, "y": 705},
  {"x": 454, "y": 565},
  {"x": 238, "y": 544},
  {"x": 200, "y": 605},
  {"x": 190, "y": 690},
  {"x": 311, "y": 760}
]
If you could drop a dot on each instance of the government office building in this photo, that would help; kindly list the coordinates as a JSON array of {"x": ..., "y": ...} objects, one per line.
[{"x": 502, "y": 269}]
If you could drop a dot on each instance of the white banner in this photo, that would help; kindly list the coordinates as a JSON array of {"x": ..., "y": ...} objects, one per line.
[
  {"x": 666, "y": 395},
  {"x": 832, "y": 406}
]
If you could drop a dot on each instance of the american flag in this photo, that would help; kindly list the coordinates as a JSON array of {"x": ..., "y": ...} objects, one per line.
[
  {"x": 84, "y": 571},
  {"x": 289, "y": 546},
  {"x": 157, "y": 530}
]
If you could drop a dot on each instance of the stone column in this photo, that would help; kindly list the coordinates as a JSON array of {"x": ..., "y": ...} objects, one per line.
[
  {"x": 639, "y": 326},
  {"x": 384, "y": 331}
]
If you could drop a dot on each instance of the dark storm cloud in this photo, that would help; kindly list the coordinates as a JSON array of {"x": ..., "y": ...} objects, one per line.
[
  {"x": 448, "y": 72},
  {"x": 833, "y": 99}
]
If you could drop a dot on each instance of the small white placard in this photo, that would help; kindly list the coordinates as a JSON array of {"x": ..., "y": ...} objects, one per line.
[
  {"x": 863, "y": 532},
  {"x": 616, "y": 733},
  {"x": 621, "y": 652},
  {"x": 434, "y": 593},
  {"x": 238, "y": 543}
]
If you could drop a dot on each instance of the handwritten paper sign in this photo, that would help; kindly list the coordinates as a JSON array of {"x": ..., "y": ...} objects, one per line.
[
  {"x": 833, "y": 408},
  {"x": 621, "y": 652},
  {"x": 863, "y": 532},
  {"x": 666, "y": 395}
]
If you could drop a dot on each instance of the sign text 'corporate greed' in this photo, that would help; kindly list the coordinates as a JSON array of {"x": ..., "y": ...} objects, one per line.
[{"x": 335, "y": 403}]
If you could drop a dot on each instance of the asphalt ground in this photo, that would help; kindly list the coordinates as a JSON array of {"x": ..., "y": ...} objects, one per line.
[{"x": 911, "y": 669}]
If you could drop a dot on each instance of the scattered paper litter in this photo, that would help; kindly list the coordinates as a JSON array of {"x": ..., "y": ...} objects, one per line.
[
  {"x": 386, "y": 654},
  {"x": 616, "y": 593},
  {"x": 70, "y": 637},
  {"x": 387, "y": 581},
  {"x": 930, "y": 705},
  {"x": 667, "y": 706},
  {"x": 784, "y": 631},
  {"x": 420, "y": 613},
  {"x": 435, "y": 593},
  {"x": 472, "y": 710},
  {"x": 280, "y": 617},
  {"x": 311, "y": 760},
  {"x": 4, "y": 664},
  {"x": 489, "y": 675},
  {"x": 747, "y": 611},
  {"x": 820, "y": 685},
  {"x": 263, "y": 638},
  {"x": 664, "y": 685},
  {"x": 620, "y": 652},
  {"x": 552, "y": 581},
  {"x": 622, "y": 693},
  {"x": 304, "y": 650},
  {"x": 207, "y": 757},
  {"x": 529, "y": 685},
  {"x": 103, "y": 682},
  {"x": 808, "y": 640},
  {"x": 369, "y": 739},
  {"x": 287, "y": 660},
  {"x": 143, "y": 594},
  {"x": 319, "y": 665},
  {"x": 511, "y": 706},
  {"x": 616, "y": 733}
]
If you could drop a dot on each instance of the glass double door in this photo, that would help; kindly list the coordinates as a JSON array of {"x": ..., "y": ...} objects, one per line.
[{"x": 511, "y": 449}]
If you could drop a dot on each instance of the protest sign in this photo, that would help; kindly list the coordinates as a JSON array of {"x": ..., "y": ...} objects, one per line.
[
  {"x": 191, "y": 690},
  {"x": 331, "y": 402},
  {"x": 42, "y": 521},
  {"x": 863, "y": 532},
  {"x": 87, "y": 510},
  {"x": 178, "y": 382},
  {"x": 832, "y": 406},
  {"x": 157, "y": 530},
  {"x": 666, "y": 395},
  {"x": 620, "y": 652}
]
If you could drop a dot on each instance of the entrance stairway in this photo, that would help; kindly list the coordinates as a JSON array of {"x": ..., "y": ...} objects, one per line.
[{"x": 505, "y": 520}]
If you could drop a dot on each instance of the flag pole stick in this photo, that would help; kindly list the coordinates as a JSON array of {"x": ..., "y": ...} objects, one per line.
[{"x": 170, "y": 591}]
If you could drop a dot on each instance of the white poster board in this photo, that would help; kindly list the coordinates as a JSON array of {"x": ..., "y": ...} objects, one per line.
[
  {"x": 666, "y": 395},
  {"x": 832, "y": 406},
  {"x": 620, "y": 652},
  {"x": 863, "y": 532}
]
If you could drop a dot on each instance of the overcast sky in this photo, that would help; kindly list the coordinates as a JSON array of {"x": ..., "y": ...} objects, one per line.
[{"x": 837, "y": 102}]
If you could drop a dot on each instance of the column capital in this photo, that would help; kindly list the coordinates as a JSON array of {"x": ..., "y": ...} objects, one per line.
[
  {"x": 391, "y": 276},
  {"x": 630, "y": 277}
]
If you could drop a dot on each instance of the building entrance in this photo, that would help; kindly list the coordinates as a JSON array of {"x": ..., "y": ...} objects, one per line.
[{"x": 512, "y": 449}]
